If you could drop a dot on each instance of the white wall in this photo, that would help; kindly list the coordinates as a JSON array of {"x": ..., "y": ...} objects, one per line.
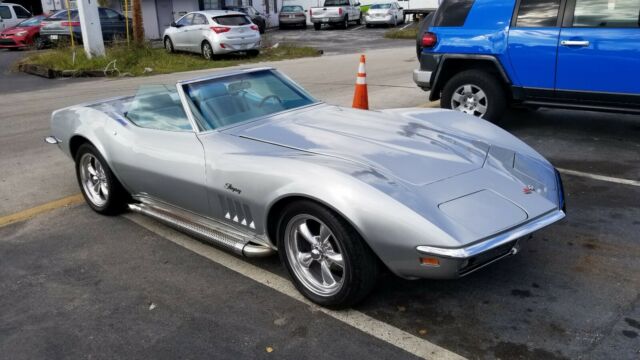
[
  {"x": 150, "y": 20},
  {"x": 181, "y": 7}
]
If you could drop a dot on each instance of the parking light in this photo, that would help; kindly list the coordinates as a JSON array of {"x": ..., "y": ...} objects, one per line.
[
  {"x": 430, "y": 261},
  {"x": 220, "y": 29},
  {"x": 429, "y": 39},
  {"x": 70, "y": 23}
]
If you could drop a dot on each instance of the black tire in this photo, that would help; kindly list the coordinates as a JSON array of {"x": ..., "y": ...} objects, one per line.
[
  {"x": 369, "y": 26},
  {"x": 361, "y": 266},
  {"x": 253, "y": 53},
  {"x": 38, "y": 43},
  {"x": 496, "y": 98},
  {"x": 168, "y": 45},
  {"x": 207, "y": 50},
  {"x": 117, "y": 198},
  {"x": 317, "y": 26},
  {"x": 345, "y": 23},
  {"x": 359, "y": 21},
  {"x": 281, "y": 27}
]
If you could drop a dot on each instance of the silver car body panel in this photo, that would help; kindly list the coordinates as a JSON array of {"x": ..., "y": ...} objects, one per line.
[{"x": 411, "y": 181}]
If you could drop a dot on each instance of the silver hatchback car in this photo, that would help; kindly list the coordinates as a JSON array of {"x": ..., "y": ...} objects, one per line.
[{"x": 213, "y": 32}]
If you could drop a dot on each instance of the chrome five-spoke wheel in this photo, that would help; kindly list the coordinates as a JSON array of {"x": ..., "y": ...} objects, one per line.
[
  {"x": 315, "y": 255},
  {"x": 470, "y": 99},
  {"x": 94, "y": 180}
]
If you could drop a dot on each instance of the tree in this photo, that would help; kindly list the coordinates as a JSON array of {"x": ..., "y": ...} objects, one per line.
[{"x": 138, "y": 29}]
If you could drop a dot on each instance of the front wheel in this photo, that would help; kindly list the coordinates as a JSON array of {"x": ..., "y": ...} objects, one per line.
[
  {"x": 345, "y": 23},
  {"x": 168, "y": 45},
  {"x": 100, "y": 188},
  {"x": 359, "y": 21},
  {"x": 327, "y": 259},
  {"x": 476, "y": 93}
]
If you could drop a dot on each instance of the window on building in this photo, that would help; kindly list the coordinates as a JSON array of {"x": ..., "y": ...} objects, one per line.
[
  {"x": 210, "y": 4},
  {"x": 538, "y": 13},
  {"x": 607, "y": 13}
]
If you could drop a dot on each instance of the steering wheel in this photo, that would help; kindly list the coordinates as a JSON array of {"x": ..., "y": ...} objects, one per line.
[{"x": 269, "y": 97}]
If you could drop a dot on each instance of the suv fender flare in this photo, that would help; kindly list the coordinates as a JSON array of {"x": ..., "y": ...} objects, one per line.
[{"x": 438, "y": 79}]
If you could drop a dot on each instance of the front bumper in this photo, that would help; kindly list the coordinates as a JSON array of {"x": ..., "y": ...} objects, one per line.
[
  {"x": 13, "y": 42},
  {"x": 422, "y": 78},
  {"x": 458, "y": 262}
]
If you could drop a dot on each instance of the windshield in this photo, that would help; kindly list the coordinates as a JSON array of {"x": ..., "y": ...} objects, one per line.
[
  {"x": 232, "y": 99},
  {"x": 232, "y": 20},
  {"x": 34, "y": 21},
  {"x": 62, "y": 15},
  {"x": 336, "y": 3},
  {"x": 380, "y": 6},
  {"x": 292, "y": 9}
]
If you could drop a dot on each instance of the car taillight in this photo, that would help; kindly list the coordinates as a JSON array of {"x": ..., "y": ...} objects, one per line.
[
  {"x": 429, "y": 39},
  {"x": 43, "y": 24},
  {"x": 254, "y": 27},
  {"x": 339, "y": 11},
  {"x": 72, "y": 23},
  {"x": 220, "y": 29},
  {"x": 310, "y": 12}
]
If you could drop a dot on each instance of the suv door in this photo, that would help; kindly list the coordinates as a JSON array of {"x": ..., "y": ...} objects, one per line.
[
  {"x": 599, "y": 52},
  {"x": 533, "y": 44}
]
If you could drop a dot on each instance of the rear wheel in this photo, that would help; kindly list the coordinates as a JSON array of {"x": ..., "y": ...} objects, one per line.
[
  {"x": 207, "y": 50},
  {"x": 253, "y": 53},
  {"x": 328, "y": 260},
  {"x": 38, "y": 42},
  {"x": 359, "y": 21},
  {"x": 317, "y": 26},
  {"x": 345, "y": 23},
  {"x": 100, "y": 188},
  {"x": 476, "y": 93}
]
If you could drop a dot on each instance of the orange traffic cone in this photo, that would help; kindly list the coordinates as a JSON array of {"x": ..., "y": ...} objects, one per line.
[{"x": 361, "y": 97}]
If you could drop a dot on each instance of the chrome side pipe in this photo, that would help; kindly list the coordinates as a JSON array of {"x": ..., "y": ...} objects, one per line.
[{"x": 216, "y": 237}]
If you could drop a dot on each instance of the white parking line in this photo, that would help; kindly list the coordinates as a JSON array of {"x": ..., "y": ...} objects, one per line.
[
  {"x": 357, "y": 27},
  {"x": 356, "y": 319},
  {"x": 406, "y": 26},
  {"x": 600, "y": 177}
]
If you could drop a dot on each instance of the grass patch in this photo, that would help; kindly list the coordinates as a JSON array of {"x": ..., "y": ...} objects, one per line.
[
  {"x": 407, "y": 33},
  {"x": 133, "y": 60}
]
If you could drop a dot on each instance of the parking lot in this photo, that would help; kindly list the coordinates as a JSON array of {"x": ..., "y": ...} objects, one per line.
[{"x": 74, "y": 284}]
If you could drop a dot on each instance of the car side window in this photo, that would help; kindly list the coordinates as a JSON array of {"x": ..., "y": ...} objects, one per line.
[
  {"x": 158, "y": 107},
  {"x": 538, "y": 13},
  {"x": 21, "y": 13},
  {"x": 199, "y": 19},
  {"x": 186, "y": 20},
  {"x": 607, "y": 13},
  {"x": 107, "y": 14},
  {"x": 5, "y": 12},
  {"x": 452, "y": 13}
]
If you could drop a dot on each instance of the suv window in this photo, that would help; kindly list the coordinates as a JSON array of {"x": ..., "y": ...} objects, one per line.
[
  {"x": 453, "y": 13},
  {"x": 607, "y": 13},
  {"x": 21, "y": 13},
  {"x": 5, "y": 12},
  {"x": 538, "y": 13}
]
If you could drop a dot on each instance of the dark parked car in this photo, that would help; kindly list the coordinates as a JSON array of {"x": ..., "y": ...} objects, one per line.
[
  {"x": 255, "y": 16},
  {"x": 55, "y": 28},
  {"x": 292, "y": 15},
  {"x": 23, "y": 35},
  {"x": 480, "y": 56}
]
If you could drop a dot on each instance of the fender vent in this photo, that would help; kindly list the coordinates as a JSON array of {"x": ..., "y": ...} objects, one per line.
[{"x": 236, "y": 211}]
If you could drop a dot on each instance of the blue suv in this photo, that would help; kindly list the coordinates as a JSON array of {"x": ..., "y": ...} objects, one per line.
[{"x": 480, "y": 56}]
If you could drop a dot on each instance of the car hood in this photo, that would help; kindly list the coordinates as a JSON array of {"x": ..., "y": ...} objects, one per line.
[{"x": 397, "y": 146}]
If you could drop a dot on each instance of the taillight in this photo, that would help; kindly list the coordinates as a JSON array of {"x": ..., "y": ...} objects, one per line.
[
  {"x": 254, "y": 27},
  {"x": 72, "y": 23},
  {"x": 339, "y": 11},
  {"x": 310, "y": 12},
  {"x": 43, "y": 24},
  {"x": 220, "y": 29},
  {"x": 429, "y": 39}
]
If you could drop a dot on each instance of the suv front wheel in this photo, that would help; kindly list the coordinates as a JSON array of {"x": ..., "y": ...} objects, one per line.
[{"x": 476, "y": 93}]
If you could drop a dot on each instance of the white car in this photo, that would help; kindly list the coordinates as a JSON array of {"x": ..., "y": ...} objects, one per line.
[
  {"x": 213, "y": 32},
  {"x": 384, "y": 14},
  {"x": 12, "y": 14}
]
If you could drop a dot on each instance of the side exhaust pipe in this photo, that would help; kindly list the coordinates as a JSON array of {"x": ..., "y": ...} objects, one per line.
[{"x": 214, "y": 236}]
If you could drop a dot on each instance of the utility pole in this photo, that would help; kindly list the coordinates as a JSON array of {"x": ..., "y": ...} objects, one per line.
[
  {"x": 91, "y": 29},
  {"x": 138, "y": 27}
]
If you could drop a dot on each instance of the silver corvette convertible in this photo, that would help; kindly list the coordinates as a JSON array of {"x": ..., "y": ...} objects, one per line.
[{"x": 249, "y": 161}]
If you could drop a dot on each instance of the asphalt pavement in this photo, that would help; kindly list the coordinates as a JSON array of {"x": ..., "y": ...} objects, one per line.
[{"x": 75, "y": 284}]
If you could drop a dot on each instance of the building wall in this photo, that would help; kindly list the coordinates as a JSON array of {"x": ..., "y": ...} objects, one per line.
[
  {"x": 150, "y": 20},
  {"x": 181, "y": 7}
]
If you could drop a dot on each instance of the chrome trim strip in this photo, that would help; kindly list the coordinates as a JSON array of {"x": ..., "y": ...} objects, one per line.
[{"x": 503, "y": 238}]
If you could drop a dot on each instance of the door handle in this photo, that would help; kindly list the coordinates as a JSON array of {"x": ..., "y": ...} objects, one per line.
[{"x": 574, "y": 43}]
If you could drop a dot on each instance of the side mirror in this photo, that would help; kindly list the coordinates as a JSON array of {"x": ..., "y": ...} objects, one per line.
[
  {"x": 173, "y": 24},
  {"x": 356, "y": 4},
  {"x": 400, "y": 8}
]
